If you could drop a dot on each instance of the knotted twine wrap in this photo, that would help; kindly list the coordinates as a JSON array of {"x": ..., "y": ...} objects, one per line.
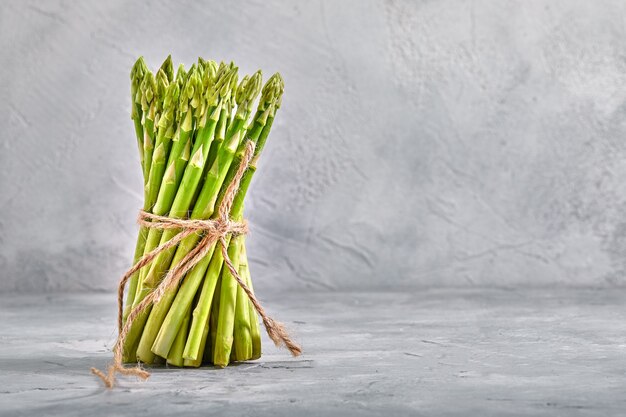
[{"x": 213, "y": 230}]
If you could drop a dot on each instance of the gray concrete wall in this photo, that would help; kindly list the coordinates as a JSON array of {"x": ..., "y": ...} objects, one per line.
[{"x": 420, "y": 143}]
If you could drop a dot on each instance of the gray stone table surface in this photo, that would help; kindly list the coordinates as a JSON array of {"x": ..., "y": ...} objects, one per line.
[{"x": 431, "y": 352}]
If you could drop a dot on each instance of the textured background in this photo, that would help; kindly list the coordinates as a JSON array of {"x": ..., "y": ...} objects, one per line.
[{"x": 420, "y": 143}]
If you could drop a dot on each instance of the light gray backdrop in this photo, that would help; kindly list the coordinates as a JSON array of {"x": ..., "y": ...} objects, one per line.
[{"x": 421, "y": 143}]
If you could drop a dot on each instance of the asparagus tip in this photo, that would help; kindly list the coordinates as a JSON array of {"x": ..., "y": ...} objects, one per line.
[
  {"x": 168, "y": 68},
  {"x": 197, "y": 160}
]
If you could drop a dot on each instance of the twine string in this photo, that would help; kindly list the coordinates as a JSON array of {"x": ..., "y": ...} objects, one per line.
[{"x": 214, "y": 231}]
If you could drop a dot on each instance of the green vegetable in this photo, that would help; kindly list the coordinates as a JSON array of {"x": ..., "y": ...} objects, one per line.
[{"x": 192, "y": 128}]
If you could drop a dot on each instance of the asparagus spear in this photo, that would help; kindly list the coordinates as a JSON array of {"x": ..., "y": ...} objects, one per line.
[
  {"x": 136, "y": 76},
  {"x": 162, "y": 82},
  {"x": 155, "y": 111},
  {"x": 168, "y": 68},
  {"x": 175, "y": 356},
  {"x": 148, "y": 106},
  {"x": 243, "y": 324},
  {"x": 227, "y": 316},
  {"x": 255, "y": 330},
  {"x": 203, "y": 346},
  {"x": 213, "y": 318},
  {"x": 181, "y": 76}
]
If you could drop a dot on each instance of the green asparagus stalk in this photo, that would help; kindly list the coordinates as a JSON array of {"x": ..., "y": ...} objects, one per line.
[
  {"x": 149, "y": 101},
  {"x": 136, "y": 113},
  {"x": 154, "y": 114},
  {"x": 255, "y": 330},
  {"x": 175, "y": 356},
  {"x": 213, "y": 319},
  {"x": 194, "y": 363},
  {"x": 136, "y": 75},
  {"x": 153, "y": 91},
  {"x": 228, "y": 298},
  {"x": 209, "y": 73},
  {"x": 242, "y": 327}
]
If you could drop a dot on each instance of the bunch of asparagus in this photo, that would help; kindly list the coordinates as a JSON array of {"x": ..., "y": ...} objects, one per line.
[{"x": 192, "y": 129}]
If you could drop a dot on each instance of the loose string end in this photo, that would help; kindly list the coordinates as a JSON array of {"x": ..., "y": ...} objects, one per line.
[
  {"x": 279, "y": 335},
  {"x": 107, "y": 381},
  {"x": 109, "y": 378}
]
